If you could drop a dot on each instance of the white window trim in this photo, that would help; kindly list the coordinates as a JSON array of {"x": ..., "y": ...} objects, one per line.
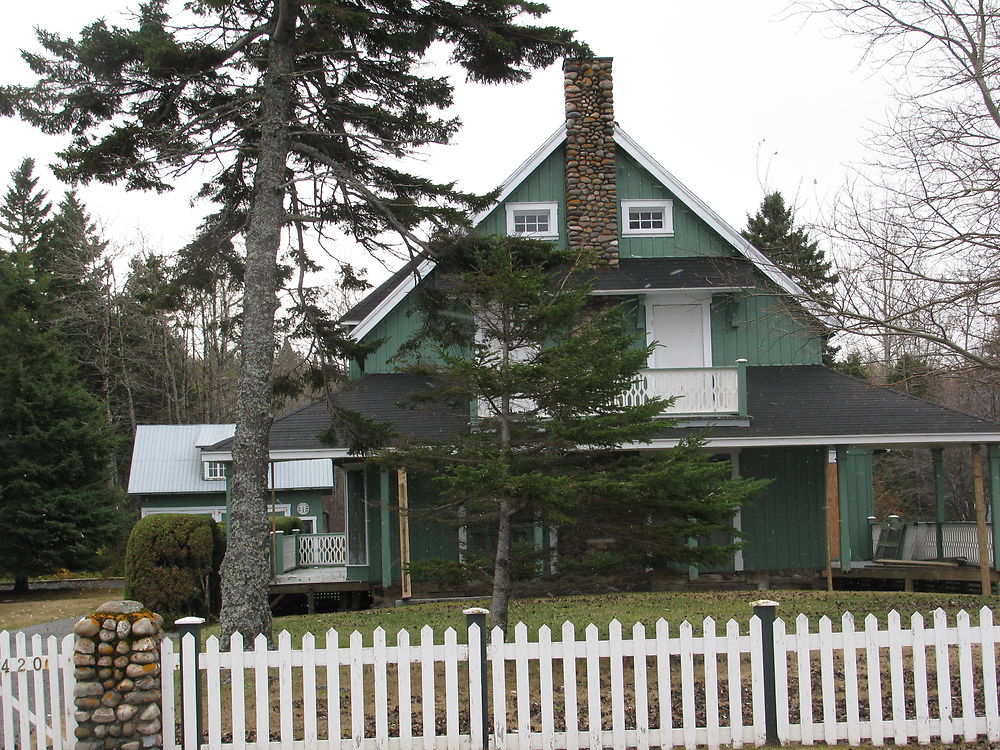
[
  {"x": 206, "y": 474},
  {"x": 551, "y": 206},
  {"x": 654, "y": 203}
]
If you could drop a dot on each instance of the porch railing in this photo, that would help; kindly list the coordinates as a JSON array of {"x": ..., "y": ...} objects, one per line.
[
  {"x": 293, "y": 551},
  {"x": 697, "y": 390},
  {"x": 322, "y": 549}
]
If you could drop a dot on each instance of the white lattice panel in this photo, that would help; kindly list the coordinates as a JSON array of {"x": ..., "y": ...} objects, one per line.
[{"x": 322, "y": 549}]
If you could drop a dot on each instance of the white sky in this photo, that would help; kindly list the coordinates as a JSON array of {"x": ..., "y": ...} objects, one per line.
[{"x": 732, "y": 97}]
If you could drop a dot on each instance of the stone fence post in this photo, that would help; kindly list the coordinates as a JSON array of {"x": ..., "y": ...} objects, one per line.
[{"x": 117, "y": 695}]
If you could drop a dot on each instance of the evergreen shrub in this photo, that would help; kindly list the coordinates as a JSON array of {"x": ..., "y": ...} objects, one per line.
[{"x": 169, "y": 563}]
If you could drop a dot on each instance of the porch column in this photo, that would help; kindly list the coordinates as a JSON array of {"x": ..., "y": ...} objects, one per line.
[
  {"x": 937, "y": 456},
  {"x": 403, "y": 501},
  {"x": 846, "y": 553},
  {"x": 385, "y": 535},
  {"x": 832, "y": 515},
  {"x": 994, "y": 453},
  {"x": 979, "y": 490}
]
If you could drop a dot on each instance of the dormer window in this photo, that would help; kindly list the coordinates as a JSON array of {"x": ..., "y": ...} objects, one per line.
[
  {"x": 536, "y": 220},
  {"x": 215, "y": 470},
  {"x": 648, "y": 217}
]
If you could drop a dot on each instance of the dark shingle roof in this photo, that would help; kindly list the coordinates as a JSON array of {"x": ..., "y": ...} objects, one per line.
[
  {"x": 379, "y": 398},
  {"x": 364, "y": 308},
  {"x": 637, "y": 274},
  {"x": 634, "y": 274},
  {"x": 812, "y": 400},
  {"x": 783, "y": 402}
]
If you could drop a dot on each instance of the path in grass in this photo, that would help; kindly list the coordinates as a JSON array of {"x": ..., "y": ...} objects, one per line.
[
  {"x": 629, "y": 608},
  {"x": 21, "y": 610}
]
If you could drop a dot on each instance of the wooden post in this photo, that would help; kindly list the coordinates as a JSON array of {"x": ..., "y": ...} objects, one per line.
[
  {"x": 832, "y": 515},
  {"x": 403, "y": 493},
  {"x": 980, "y": 495},
  {"x": 937, "y": 456},
  {"x": 994, "y": 454}
]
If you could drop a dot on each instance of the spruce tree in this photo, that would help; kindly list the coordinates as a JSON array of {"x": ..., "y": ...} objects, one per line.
[
  {"x": 773, "y": 231},
  {"x": 56, "y": 504},
  {"x": 25, "y": 209},
  {"x": 300, "y": 113},
  {"x": 509, "y": 327}
]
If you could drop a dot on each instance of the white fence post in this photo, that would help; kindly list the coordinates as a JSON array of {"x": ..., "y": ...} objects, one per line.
[{"x": 475, "y": 620}]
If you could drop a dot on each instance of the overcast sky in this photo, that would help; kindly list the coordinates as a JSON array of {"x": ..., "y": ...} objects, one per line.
[{"x": 733, "y": 97}]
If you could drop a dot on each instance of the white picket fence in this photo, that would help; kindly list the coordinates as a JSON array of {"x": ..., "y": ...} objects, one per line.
[
  {"x": 660, "y": 688},
  {"x": 36, "y": 692},
  {"x": 637, "y": 689}
]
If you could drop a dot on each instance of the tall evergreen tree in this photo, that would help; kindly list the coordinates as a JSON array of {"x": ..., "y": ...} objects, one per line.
[
  {"x": 270, "y": 95},
  {"x": 773, "y": 231},
  {"x": 25, "y": 209},
  {"x": 510, "y": 328},
  {"x": 56, "y": 504}
]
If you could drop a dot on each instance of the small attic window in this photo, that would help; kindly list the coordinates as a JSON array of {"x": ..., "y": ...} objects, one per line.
[
  {"x": 215, "y": 470},
  {"x": 536, "y": 220},
  {"x": 648, "y": 217}
]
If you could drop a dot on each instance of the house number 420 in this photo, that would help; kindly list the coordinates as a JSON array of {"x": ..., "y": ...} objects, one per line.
[{"x": 24, "y": 664}]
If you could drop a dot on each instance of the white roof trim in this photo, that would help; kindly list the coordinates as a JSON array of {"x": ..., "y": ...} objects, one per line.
[
  {"x": 870, "y": 441},
  {"x": 633, "y": 149},
  {"x": 298, "y": 454},
  {"x": 392, "y": 299}
]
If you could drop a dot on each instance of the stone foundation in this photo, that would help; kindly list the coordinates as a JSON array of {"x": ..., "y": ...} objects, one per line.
[{"x": 117, "y": 695}]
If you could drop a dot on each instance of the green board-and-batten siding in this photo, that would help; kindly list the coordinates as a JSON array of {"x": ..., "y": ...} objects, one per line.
[
  {"x": 762, "y": 329},
  {"x": 692, "y": 237},
  {"x": 785, "y": 524}
]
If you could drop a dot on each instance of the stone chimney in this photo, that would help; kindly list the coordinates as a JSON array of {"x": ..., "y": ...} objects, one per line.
[{"x": 591, "y": 192}]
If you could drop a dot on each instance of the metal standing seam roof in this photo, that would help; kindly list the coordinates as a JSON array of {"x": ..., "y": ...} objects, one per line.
[{"x": 166, "y": 459}]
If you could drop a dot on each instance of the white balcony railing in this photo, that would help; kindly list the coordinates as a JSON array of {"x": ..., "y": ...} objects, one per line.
[{"x": 698, "y": 390}]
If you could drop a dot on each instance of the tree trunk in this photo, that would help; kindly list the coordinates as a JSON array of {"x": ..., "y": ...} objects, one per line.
[
  {"x": 20, "y": 585},
  {"x": 246, "y": 568},
  {"x": 501, "y": 568}
]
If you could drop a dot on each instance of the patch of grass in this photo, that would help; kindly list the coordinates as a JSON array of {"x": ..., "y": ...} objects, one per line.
[
  {"x": 21, "y": 610},
  {"x": 628, "y": 608}
]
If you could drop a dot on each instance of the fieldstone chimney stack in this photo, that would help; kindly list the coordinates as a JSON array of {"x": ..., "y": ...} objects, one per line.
[{"x": 591, "y": 192}]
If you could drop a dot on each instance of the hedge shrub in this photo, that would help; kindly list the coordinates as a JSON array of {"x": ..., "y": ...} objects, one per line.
[{"x": 169, "y": 565}]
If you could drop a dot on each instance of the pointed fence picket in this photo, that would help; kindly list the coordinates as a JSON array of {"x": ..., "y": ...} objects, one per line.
[
  {"x": 36, "y": 692},
  {"x": 574, "y": 689}
]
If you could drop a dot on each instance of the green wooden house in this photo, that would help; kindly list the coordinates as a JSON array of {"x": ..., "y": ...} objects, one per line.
[{"x": 737, "y": 342}]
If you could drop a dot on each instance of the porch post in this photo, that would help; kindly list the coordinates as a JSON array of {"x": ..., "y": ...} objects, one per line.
[
  {"x": 937, "y": 456},
  {"x": 980, "y": 495},
  {"x": 846, "y": 555},
  {"x": 832, "y": 515},
  {"x": 385, "y": 536},
  {"x": 403, "y": 493},
  {"x": 994, "y": 453}
]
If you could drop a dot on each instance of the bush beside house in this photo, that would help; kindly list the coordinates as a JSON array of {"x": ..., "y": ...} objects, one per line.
[{"x": 170, "y": 564}]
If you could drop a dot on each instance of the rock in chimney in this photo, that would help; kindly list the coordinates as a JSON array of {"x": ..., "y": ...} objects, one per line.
[{"x": 591, "y": 192}]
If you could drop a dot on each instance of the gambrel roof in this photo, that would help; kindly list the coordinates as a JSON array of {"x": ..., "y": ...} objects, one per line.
[{"x": 366, "y": 315}]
